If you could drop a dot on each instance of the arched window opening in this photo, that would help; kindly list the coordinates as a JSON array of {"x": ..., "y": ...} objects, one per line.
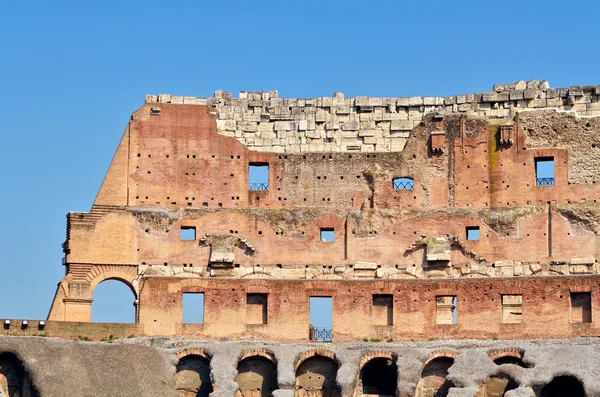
[
  {"x": 433, "y": 380},
  {"x": 316, "y": 377},
  {"x": 403, "y": 184},
  {"x": 257, "y": 377},
  {"x": 511, "y": 360},
  {"x": 497, "y": 385},
  {"x": 192, "y": 378},
  {"x": 562, "y": 386},
  {"x": 113, "y": 302},
  {"x": 379, "y": 377},
  {"x": 14, "y": 380}
]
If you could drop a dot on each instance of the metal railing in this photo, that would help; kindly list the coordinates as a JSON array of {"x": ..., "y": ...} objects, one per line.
[
  {"x": 258, "y": 186},
  {"x": 321, "y": 334},
  {"x": 399, "y": 185},
  {"x": 544, "y": 181}
]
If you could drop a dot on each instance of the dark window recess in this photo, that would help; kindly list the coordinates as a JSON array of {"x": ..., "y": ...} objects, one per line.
[
  {"x": 383, "y": 310},
  {"x": 581, "y": 307},
  {"x": 544, "y": 171},
  {"x": 258, "y": 176},
  {"x": 256, "y": 308},
  {"x": 403, "y": 184},
  {"x": 473, "y": 233},
  {"x": 187, "y": 233}
]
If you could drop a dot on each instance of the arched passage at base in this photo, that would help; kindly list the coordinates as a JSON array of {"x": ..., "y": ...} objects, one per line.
[
  {"x": 433, "y": 380},
  {"x": 316, "y": 377},
  {"x": 192, "y": 378},
  {"x": 563, "y": 386},
  {"x": 114, "y": 301},
  {"x": 257, "y": 377},
  {"x": 14, "y": 380},
  {"x": 379, "y": 376}
]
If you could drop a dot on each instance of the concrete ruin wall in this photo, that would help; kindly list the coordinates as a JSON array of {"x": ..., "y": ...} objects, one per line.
[
  {"x": 162, "y": 367},
  {"x": 264, "y": 122}
]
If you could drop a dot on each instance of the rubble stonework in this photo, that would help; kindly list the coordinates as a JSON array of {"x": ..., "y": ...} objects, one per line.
[{"x": 264, "y": 122}]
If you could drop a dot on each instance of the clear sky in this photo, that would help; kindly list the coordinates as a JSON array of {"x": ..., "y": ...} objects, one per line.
[{"x": 71, "y": 73}]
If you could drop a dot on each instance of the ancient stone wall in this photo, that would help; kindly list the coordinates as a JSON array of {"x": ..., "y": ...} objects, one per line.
[
  {"x": 170, "y": 368},
  {"x": 264, "y": 122}
]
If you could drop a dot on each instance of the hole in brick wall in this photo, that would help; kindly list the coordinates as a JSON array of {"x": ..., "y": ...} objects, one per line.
[
  {"x": 139, "y": 155},
  {"x": 544, "y": 171},
  {"x": 327, "y": 235},
  {"x": 581, "y": 307},
  {"x": 205, "y": 204},
  {"x": 472, "y": 233},
  {"x": 260, "y": 232},
  {"x": 446, "y": 309},
  {"x": 193, "y": 308},
  {"x": 256, "y": 308}
]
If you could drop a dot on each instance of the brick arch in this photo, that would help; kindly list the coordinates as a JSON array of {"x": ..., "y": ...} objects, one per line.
[
  {"x": 258, "y": 352},
  {"x": 126, "y": 275},
  {"x": 313, "y": 353},
  {"x": 511, "y": 352},
  {"x": 376, "y": 354},
  {"x": 193, "y": 351}
]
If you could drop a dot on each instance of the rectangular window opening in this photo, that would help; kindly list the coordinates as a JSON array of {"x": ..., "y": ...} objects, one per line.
[
  {"x": 383, "y": 310},
  {"x": 544, "y": 171},
  {"x": 321, "y": 319},
  {"x": 446, "y": 309},
  {"x": 327, "y": 235},
  {"x": 256, "y": 308},
  {"x": 193, "y": 308},
  {"x": 473, "y": 233},
  {"x": 187, "y": 233},
  {"x": 258, "y": 176},
  {"x": 512, "y": 309},
  {"x": 581, "y": 307}
]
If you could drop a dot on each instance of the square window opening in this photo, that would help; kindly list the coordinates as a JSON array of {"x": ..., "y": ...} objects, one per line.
[
  {"x": 256, "y": 308},
  {"x": 544, "y": 171},
  {"x": 327, "y": 235},
  {"x": 321, "y": 318},
  {"x": 193, "y": 308},
  {"x": 187, "y": 233},
  {"x": 512, "y": 309},
  {"x": 383, "y": 310},
  {"x": 581, "y": 307},
  {"x": 258, "y": 176},
  {"x": 446, "y": 309},
  {"x": 473, "y": 233}
]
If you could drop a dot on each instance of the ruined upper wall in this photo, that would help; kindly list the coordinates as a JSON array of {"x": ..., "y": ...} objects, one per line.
[{"x": 264, "y": 122}]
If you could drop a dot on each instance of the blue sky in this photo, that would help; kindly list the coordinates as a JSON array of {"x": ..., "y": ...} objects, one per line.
[{"x": 72, "y": 72}]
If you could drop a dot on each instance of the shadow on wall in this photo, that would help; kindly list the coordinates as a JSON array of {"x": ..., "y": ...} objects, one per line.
[
  {"x": 192, "y": 378},
  {"x": 257, "y": 377},
  {"x": 379, "y": 376},
  {"x": 561, "y": 386},
  {"x": 14, "y": 380},
  {"x": 316, "y": 377}
]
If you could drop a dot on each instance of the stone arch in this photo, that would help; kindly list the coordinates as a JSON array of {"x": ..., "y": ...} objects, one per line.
[
  {"x": 96, "y": 302},
  {"x": 316, "y": 373},
  {"x": 509, "y": 356},
  {"x": 192, "y": 376},
  {"x": 497, "y": 385},
  {"x": 14, "y": 379},
  {"x": 126, "y": 276},
  {"x": 257, "y": 374},
  {"x": 564, "y": 385},
  {"x": 432, "y": 381},
  {"x": 379, "y": 376}
]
